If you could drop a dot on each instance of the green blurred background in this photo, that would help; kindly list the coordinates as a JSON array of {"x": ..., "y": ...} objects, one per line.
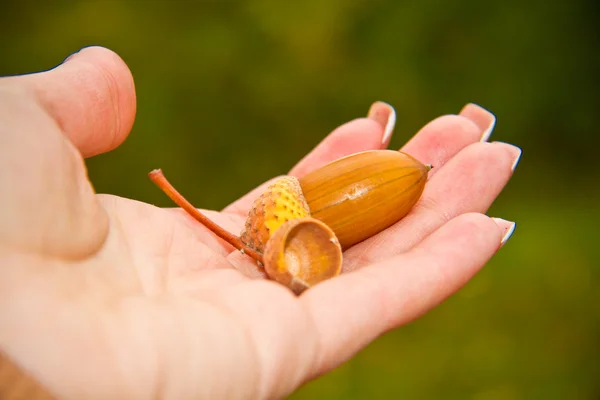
[{"x": 233, "y": 93}]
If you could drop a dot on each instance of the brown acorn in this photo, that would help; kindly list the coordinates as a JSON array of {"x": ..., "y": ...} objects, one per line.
[
  {"x": 362, "y": 194},
  {"x": 297, "y": 226},
  {"x": 357, "y": 196}
]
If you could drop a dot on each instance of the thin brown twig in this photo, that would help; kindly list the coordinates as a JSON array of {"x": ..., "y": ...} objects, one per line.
[{"x": 161, "y": 181}]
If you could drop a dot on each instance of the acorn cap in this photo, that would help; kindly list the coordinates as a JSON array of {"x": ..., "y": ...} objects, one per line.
[
  {"x": 302, "y": 253},
  {"x": 282, "y": 201}
]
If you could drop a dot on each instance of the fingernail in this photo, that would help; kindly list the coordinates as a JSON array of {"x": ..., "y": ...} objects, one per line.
[
  {"x": 386, "y": 116},
  {"x": 488, "y": 132},
  {"x": 482, "y": 117},
  {"x": 517, "y": 159},
  {"x": 507, "y": 228},
  {"x": 516, "y": 152}
]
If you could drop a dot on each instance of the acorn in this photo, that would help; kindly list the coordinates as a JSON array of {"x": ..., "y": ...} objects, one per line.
[
  {"x": 298, "y": 228},
  {"x": 362, "y": 194}
]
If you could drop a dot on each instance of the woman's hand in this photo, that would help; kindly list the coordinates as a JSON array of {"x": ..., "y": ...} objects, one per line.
[{"x": 105, "y": 297}]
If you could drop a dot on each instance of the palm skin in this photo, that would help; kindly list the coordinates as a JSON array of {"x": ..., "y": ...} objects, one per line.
[{"x": 105, "y": 297}]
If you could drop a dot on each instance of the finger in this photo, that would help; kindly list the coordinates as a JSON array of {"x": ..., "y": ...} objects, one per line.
[
  {"x": 362, "y": 134},
  {"x": 91, "y": 96},
  {"x": 364, "y": 304},
  {"x": 441, "y": 139},
  {"x": 371, "y": 133},
  {"x": 352, "y": 137},
  {"x": 385, "y": 115},
  {"x": 470, "y": 182}
]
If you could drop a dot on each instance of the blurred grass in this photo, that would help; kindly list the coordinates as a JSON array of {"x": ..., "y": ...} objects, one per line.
[{"x": 232, "y": 93}]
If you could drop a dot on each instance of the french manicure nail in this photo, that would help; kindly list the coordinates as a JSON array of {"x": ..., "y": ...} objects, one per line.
[
  {"x": 517, "y": 159},
  {"x": 482, "y": 117},
  {"x": 516, "y": 152},
  {"x": 488, "y": 132},
  {"x": 508, "y": 227},
  {"x": 386, "y": 116}
]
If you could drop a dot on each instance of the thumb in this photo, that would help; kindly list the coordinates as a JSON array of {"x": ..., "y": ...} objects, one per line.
[
  {"x": 49, "y": 120},
  {"x": 91, "y": 96}
]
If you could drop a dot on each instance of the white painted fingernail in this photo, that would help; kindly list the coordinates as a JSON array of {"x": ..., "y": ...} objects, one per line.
[
  {"x": 508, "y": 227},
  {"x": 488, "y": 132},
  {"x": 482, "y": 117},
  {"x": 385, "y": 114},
  {"x": 516, "y": 152},
  {"x": 517, "y": 159},
  {"x": 483, "y": 114}
]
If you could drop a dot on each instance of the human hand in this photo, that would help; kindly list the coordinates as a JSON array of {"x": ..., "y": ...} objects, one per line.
[{"x": 105, "y": 297}]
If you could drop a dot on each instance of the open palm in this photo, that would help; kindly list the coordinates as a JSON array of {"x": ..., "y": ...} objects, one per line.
[{"x": 105, "y": 297}]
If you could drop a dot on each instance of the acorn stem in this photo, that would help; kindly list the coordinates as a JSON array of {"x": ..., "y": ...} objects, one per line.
[{"x": 161, "y": 181}]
